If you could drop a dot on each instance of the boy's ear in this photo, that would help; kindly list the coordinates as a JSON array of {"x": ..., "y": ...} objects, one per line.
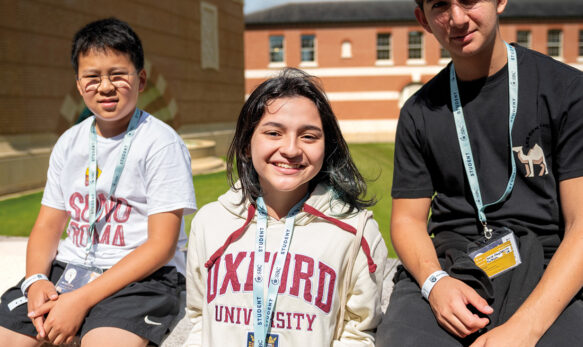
[
  {"x": 420, "y": 15},
  {"x": 501, "y": 6},
  {"x": 143, "y": 76}
]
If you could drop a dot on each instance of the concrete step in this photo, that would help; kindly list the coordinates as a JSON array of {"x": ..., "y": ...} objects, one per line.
[
  {"x": 207, "y": 165},
  {"x": 200, "y": 148},
  {"x": 203, "y": 158}
]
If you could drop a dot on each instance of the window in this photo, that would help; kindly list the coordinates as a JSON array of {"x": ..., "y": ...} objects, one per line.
[
  {"x": 346, "y": 50},
  {"x": 308, "y": 52},
  {"x": 444, "y": 53},
  {"x": 523, "y": 38},
  {"x": 581, "y": 43},
  {"x": 554, "y": 43},
  {"x": 276, "y": 49},
  {"x": 415, "y": 45},
  {"x": 209, "y": 36},
  {"x": 383, "y": 46}
]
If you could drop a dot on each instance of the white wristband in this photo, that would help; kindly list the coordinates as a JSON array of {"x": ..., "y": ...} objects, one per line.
[
  {"x": 29, "y": 281},
  {"x": 431, "y": 281}
]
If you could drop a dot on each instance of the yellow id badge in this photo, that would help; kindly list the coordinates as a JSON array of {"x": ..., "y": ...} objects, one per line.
[{"x": 496, "y": 255}]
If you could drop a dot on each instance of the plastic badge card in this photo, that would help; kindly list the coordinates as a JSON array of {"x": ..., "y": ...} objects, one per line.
[
  {"x": 76, "y": 276},
  {"x": 271, "y": 340},
  {"x": 498, "y": 255}
]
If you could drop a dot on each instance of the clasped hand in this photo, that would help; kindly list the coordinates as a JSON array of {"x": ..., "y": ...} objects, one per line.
[{"x": 65, "y": 313}]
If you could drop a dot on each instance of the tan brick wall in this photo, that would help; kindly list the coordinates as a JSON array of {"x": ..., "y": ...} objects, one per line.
[
  {"x": 36, "y": 74},
  {"x": 38, "y": 97}
]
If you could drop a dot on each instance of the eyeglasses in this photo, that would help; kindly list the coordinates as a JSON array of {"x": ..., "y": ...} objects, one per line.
[{"x": 117, "y": 79}]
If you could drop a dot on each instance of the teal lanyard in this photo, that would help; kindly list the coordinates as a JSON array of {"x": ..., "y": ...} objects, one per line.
[
  {"x": 127, "y": 142},
  {"x": 464, "y": 141},
  {"x": 262, "y": 311}
]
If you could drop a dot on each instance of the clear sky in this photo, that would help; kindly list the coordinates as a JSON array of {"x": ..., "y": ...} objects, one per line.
[{"x": 256, "y": 5}]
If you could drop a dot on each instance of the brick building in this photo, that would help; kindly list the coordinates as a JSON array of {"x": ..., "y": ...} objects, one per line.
[
  {"x": 372, "y": 55},
  {"x": 194, "y": 61}
]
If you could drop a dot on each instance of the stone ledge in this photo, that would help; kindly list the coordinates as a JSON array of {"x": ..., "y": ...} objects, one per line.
[{"x": 14, "y": 250}]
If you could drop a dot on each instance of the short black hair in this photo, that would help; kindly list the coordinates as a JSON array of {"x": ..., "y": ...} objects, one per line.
[
  {"x": 110, "y": 33},
  {"x": 419, "y": 3},
  {"x": 338, "y": 170}
]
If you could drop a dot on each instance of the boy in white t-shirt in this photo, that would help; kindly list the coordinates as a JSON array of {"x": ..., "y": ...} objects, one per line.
[{"x": 122, "y": 180}]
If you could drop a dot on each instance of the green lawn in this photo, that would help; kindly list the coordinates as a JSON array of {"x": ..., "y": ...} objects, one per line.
[
  {"x": 375, "y": 162},
  {"x": 17, "y": 215}
]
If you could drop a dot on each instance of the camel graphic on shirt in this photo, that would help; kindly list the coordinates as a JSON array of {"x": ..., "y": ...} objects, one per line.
[{"x": 535, "y": 156}]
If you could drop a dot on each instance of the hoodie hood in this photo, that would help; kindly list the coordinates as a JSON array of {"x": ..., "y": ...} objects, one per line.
[
  {"x": 322, "y": 199},
  {"x": 321, "y": 204}
]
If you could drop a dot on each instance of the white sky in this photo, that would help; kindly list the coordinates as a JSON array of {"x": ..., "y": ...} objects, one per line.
[{"x": 256, "y": 5}]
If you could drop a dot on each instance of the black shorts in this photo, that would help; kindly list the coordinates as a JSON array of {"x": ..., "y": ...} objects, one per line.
[{"x": 146, "y": 308}]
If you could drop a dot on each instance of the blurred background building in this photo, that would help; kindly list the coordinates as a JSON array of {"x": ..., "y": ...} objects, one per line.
[
  {"x": 204, "y": 56},
  {"x": 372, "y": 55},
  {"x": 194, "y": 61}
]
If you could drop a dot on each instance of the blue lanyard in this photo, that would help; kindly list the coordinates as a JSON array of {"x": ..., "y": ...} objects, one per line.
[
  {"x": 464, "y": 141},
  {"x": 127, "y": 142},
  {"x": 262, "y": 311}
]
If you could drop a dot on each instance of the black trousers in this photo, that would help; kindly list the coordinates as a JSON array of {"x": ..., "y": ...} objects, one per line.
[{"x": 409, "y": 320}]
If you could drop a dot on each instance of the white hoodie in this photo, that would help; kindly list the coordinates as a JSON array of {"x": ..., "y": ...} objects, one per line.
[{"x": 219, "y": 299}]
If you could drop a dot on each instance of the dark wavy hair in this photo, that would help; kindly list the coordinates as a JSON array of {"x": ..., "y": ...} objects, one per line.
[
  {"x": 338, "y": 170},
  {"x": 110, "y": 33}
]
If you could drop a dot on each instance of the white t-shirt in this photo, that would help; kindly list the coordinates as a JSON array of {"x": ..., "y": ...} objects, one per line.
[{"x": 156, "y": 178}]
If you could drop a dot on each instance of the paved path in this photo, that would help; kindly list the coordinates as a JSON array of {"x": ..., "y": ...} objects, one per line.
[{"x": 12, "y": 268}]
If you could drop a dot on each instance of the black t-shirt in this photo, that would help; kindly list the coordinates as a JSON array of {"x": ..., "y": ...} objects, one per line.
[{"x": 547, "y": 146}]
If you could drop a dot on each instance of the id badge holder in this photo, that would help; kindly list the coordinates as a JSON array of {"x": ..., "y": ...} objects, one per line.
[
  {"x": 76, "y": 276},
  {"x": 497, "y": 254},
  {"x": 271, "y": 340}
]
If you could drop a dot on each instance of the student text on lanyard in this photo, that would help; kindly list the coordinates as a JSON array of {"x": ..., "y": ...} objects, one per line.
[
  {"x": 464, "y": 141},
  {"x": 262, "y": 310},
  {"x": 127, "y": 142}
]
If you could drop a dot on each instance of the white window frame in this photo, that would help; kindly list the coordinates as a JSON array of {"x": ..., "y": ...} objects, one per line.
[
  {"x": 209, "y": 36},
  {"x": 419, "y": 46},
  {"x": 346, "y": 49},
  {"x": 277, "y": 64},
  {"x": 308, "y": 63},
  {"x": 528, "y": 38},
  {"x": 558, "y": 45},
  {"x": 388, "y": 47}
]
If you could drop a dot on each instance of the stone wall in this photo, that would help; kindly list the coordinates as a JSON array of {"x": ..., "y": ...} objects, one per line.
[{"x": 194, "y": 61}]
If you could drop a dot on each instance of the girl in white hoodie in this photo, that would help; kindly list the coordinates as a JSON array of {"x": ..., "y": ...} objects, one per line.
[{"x": 269, "y": 263}]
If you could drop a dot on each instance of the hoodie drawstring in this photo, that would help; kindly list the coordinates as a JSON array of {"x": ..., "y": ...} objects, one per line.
[
  {"x": 372, "y": 267},
  {"x": 307, "y": 208},
  {"x": 232, "y": 238}
]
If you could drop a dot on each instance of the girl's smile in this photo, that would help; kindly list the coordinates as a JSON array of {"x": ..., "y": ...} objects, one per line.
[{"x": 287, "y": 147}]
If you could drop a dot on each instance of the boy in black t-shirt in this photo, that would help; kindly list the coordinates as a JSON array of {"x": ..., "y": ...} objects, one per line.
[{"x": 500, "y": 165}]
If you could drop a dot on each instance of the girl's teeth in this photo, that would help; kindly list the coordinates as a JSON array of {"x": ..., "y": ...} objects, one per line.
[{"x": 286, "y": 166}]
